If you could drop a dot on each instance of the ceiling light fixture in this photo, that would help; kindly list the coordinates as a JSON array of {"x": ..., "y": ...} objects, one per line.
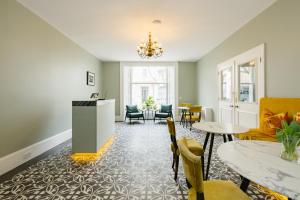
[{"x": 150, "y": 49}]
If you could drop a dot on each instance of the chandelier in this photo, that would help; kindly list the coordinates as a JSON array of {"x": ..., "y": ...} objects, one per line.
[{"x": 150, "y": 49}]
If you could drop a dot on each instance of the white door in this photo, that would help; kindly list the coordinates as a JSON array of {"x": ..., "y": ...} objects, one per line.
[
  {"x": 226, "y": 89},
  {"x": 249, "y": 84},
  {"x": 248, "y": 87}
]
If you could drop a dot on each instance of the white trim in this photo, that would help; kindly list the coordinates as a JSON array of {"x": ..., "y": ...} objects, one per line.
[
  {"x": 119, "y": 118},
  {"x": 122, "y": 64},
  {"x": 21, "y": 156}
]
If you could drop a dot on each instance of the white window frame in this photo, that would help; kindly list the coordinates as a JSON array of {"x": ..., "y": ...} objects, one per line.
[{"x": 143, "y": 64}]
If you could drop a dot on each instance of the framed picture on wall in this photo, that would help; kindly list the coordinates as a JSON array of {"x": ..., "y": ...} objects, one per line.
[{"x": 90, "y": 78}]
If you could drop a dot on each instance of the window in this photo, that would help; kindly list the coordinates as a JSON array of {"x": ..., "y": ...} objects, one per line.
[
  {"x": 149, "y": 81},
  {"x": 145, "y": 92},
  {"x": 142, "y": 80}
]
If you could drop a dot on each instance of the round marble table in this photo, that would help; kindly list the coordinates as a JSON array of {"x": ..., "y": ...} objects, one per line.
[
  {"x": 212, "y": 128},
  {"x": 260, "y": 162}
]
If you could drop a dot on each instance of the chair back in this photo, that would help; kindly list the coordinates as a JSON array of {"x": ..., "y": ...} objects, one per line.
[
  {"x": 166, "y": 108},
  {"x": 186, "y": 105},
  {"x": 191, "y": 166},
  {"x": 195, "y": 109},
  {"x": 132, "y": 109},
  {"x": 172, "y": 131}
]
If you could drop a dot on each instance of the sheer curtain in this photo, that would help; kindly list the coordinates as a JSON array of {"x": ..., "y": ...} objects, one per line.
[{"x": 141, "y": 80}]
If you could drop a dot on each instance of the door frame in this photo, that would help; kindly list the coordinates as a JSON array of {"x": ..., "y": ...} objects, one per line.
[{"x": 260, "y": 49}]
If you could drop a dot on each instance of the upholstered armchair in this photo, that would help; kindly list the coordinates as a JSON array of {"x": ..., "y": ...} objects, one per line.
[
  {"x": 132, "y": 112},
  {"x": 164, "y": 112},
  {"x": 205, "y": 190}
]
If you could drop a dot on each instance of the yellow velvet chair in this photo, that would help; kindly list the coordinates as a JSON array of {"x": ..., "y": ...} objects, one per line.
[
  {"x": 275, "y": 105},
  {"x": 195, "y": 147},
  {"x": 193, "y": 116},
  {"x": 184, "y": 112},
  {"x": 208, "y": 190}
]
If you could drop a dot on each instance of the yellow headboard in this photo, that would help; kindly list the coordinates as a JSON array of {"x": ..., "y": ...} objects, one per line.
[{"x": 278, "y": 105}]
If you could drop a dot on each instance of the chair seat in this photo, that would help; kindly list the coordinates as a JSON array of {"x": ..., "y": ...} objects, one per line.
[
  {"x": 219, "y": 190},
  {"x": 162, "y": 115},
  {"x": 195, "y": 147},
  {"x": 135, "y": 115},
  {"x": 256, "y": 134},
  {"x": 192, "y": 118}
]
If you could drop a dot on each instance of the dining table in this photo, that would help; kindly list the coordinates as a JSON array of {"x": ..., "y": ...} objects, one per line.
[
  {"x": 215, "y": 128},
  {"x": 260, "y": 162}
]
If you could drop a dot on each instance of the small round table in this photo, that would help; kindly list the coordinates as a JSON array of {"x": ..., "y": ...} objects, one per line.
[
  {"x": 260, "y": 162},
  {"x": 183, "y": 109},
  {"x": 212, "y": 128}
]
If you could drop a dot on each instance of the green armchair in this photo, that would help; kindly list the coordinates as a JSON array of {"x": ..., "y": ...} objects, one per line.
[
  {"x": 132, "y": 112},
  {"x": 164, "y": 112}
]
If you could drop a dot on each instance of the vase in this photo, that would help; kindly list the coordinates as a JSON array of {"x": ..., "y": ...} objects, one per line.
[{"x": 289, "y": 152}]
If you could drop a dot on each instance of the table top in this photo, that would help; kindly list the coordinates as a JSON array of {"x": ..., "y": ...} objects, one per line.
[
  {"x": 260, "y": 162},
  {"x": 215, "y": 127},
  {"x": 183, "y": 108}
]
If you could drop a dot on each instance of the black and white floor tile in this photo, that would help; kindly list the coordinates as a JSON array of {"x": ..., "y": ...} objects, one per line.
[{"x": 137, "y": 166}]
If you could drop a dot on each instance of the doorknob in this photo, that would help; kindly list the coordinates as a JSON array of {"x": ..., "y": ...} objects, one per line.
[
  {"x": 231, "y": 106},
  {"x": 236, "y": 106}
]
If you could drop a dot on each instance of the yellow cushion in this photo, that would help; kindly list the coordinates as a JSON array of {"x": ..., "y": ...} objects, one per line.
[
  {"x": 256, "y": 134},
  {"x": 297, "y": 117},
  {"x": 272, "y": 122},
  {"x": 223, "y": 190},
  {"x": 219, "y": 190},
  {"x": 194, "y": 146},
  {"x": 192, "y": 118}
]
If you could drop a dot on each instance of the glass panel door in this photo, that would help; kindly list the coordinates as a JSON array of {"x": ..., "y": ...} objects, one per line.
[
  {"x": 226, "y": 86},
  {"x": 247, "y": 82}
]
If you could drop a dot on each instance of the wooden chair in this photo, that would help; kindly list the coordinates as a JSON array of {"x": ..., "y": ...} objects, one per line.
[
  {"x": 193, "y": 116},
  {"x": 193, "y": 145},
  {"x": 205, "y": 190}
]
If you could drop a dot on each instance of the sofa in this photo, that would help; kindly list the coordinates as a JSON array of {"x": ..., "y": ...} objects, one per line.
[{"x": 275, "y": 105}]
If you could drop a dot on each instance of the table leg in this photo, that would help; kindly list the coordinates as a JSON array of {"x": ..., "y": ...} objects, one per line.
[
  {"x": 224, "y": 138},
  {"x": 244, "y": 185},
  {"x": 205, "y": 141},
  {"x": 209, "y": 154},
  {"x": 181, "y": 120},
  {"x": 230, "y": 138}
]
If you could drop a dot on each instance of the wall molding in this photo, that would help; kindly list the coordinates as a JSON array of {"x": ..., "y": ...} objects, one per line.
[{"x": 21, "y": 156}]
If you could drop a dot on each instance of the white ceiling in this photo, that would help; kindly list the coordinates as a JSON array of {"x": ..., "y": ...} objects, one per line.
[{"x": 111, "y": 29}]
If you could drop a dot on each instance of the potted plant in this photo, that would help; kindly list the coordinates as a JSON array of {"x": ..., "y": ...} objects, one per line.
[
  {"x": 149, "y": 103},
  {"x": 289, "y": 135}
]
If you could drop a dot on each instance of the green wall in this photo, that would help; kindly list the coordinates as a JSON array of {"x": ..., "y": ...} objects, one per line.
[
  {"x": 278, "y": 27},
  {"x": 187, "y": 79},
  {"x": 111, "y": 82},
  {"x": 187, "y": 87},
  {"x": 41, "y": 73}
]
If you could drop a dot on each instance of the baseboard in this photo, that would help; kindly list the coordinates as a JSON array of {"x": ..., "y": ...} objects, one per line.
[
  {"x": 119, "y": 118},
  {"x": 21, "y": 156}
]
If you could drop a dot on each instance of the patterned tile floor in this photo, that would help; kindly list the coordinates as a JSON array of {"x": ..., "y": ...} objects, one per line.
[{"x": 137, "y": 166}]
